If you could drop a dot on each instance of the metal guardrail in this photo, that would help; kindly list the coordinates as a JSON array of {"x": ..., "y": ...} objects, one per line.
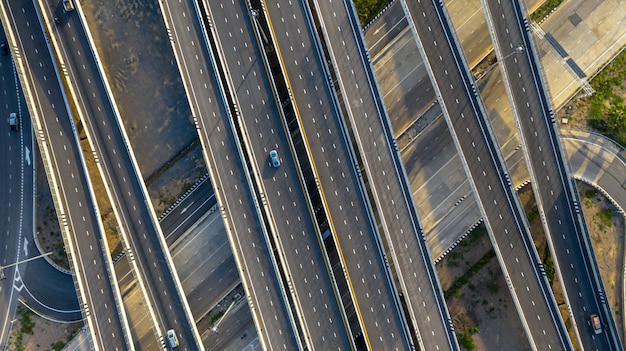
[
  {"x": 500, "y": 175},
  {"x": 143, "y": 191},
  {"x": 233, "y": 237},
  {"x": 259, "y": 35},
  {"x": 255, "y": 179},
  {"x": 52, "y": 171},
  {"x": 391, "y": 148}
]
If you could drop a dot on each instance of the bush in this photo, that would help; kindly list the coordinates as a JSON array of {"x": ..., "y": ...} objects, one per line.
[
  {"x": 466, "y": 341},
  {"x": 607, "y": 113},
  {"x": 545, "y": 9},
  {"x": 57, "y": 346},
  {"x": 533, "y": 214},
  {"x": 217, "y": 316},
  {"x": 368, "y": 9},
  {"x": 605, "y": 216}
]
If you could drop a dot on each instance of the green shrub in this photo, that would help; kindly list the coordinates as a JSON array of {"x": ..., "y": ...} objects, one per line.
[
  {"x": 57, "y": 346},
  {"x": 466, "y": 341},
  {"x": 368, "y": 9},
  {"x": 217, "y": 316},
  {"x": 607, "y": 113},
  {"x": 533, "y": 214},
  {"x": 605, "y": 216}
]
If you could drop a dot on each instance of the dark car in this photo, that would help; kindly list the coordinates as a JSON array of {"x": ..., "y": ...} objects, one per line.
[
  {"x": 596, "y": 324},
  {"x": 4, "y": 47},
  {"x": 68, "y": 5},
  {"x": 14, "y": 121}
]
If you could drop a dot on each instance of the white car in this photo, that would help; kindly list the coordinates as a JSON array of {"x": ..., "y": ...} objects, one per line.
[
  {"x": 171, "y": 337},
  {"x": 274, "y": 158}
]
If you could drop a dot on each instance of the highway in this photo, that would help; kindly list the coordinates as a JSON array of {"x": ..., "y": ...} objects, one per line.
[
  {"x": 74, "y": 199},
  {"x": 391, "y": 193},
  {"x": 335, "y": 168},
  {"x": 228, "y": 173},
  {"x": 192, "y": 207},
  {"x": 481, "y": 158},
  {"x": 297, "y": 238},
  {"x": 554, "y": 188},
  {"x": 140, "y": 232},
  {"x": 17, "y": 191}
]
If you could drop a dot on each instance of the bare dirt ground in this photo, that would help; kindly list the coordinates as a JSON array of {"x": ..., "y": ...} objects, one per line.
[
  {"x": 482, "y": 310},
  {"x": 177, "y": 179},
  {"x": 31, "y": 332},
  {"x": 480, "y": 303},
  {"x": 607, "y": 238},
  {"x": 132, "y": 42},
  {"x": 141, "y": 69}
]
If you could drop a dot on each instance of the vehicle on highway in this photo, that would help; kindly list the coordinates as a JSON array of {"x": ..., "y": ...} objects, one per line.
[
  {"x": 595, "y": 323},
  {"x": 274, "y": 158},
  {"x": 171, "y": 337},
  {"x": 68, "y": 5},
  {"x": 14, "y": 121},
  {"x": 4, "y": 47}
]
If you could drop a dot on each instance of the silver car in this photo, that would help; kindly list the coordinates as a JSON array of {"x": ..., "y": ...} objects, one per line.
[{"x": 171, "y": 337}]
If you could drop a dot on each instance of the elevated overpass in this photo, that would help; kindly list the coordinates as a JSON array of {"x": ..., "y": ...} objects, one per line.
[
  {"x": 489, "y": 180},
  {"x": 555, "y": 192},
  {"x": 391, "y": 195},
  {"x": 230, "y": 177},
  {"x": 260, "y": 122},
  {"x": 75, "y": 204},
  {"x": 335, "y": 169},
  {"x": 139, "y": 229}
]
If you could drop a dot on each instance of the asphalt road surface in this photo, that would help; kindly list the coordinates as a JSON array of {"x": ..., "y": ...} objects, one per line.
[
  {"x": 128, "y": 195},
  {"x": 557, "y": 197},
  {"x": 75, "y": 206},
  {"x": 349, "y": 213},
  {"x": 391, "y": 194},
  {"x": 248, "y": 237},
  {"x": 16, "y": 192},
  {"x": 505, "y": 221},
  {"x": 299, "y": 240}
]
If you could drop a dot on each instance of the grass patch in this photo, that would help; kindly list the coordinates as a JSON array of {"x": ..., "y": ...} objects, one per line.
[
  {"x": 57, "y": 346},
  {"x": 368, "y": 9},
  {"x": 533, "y": 214},
  {"x": 465, "y": 338},
  {"x": 217, "y": 316},
  {"x": 607, "y": 112},
  {"x": 454, "y": 259},
  {"x": 544, "y": 10},
  {"x": 455, "y": 289},
  {"x": 26, "y": 327},
  {"x": 27, "y": 324},
  {"x": 605, "y": 216}
]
